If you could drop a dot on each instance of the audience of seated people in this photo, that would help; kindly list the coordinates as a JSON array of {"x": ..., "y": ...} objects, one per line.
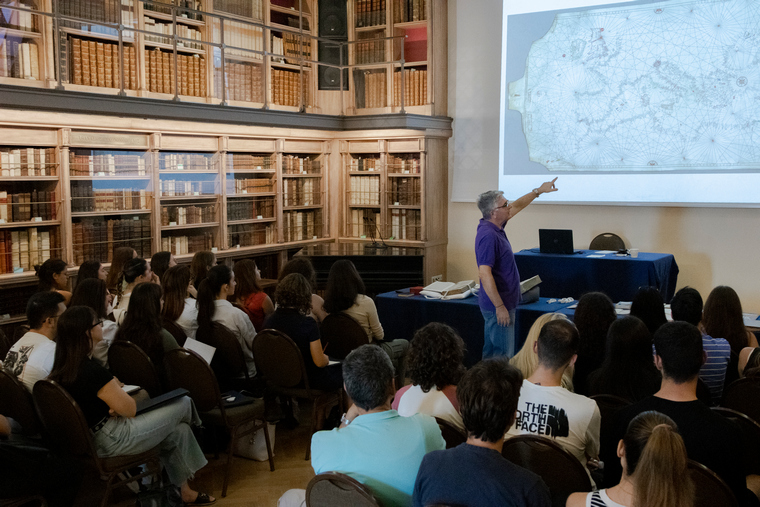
[
  {"x": 53, "y": 276},
  {"x": 250, "y": 295},
  {"x": 160, "y": 262},
  {"x": 179, "y": 307},
  {"x": 374, "y": 444},
  {"x": 593, "y": 317},
  {"x": 475, "y": 473},
  {"x": 546, "y": 408},
  {"x": 345, "y": 293},
  {"x": 686, "y": 305},
  {"x": 649, "y": 306},
  {"x": 92, "y": 292},
  {"x": 120, "y": 257},
  {"x": 526, "y": 359},
  {"x": 435, "y": 367},
  {"x": 303, "y": 266},
  {"x": 628, "y": 370}
]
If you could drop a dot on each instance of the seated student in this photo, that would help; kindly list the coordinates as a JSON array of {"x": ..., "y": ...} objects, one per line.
[
  {"x": 475, "y": 473},
  {"x": 91, "y": 269},
  {"x": 135, "y": 272},
  {"x": 526, "y": 359},
  {"x": 110, "y": 412},
  {"x": 302, "y": 265},
  {"x": 710, "y": 439},
  {"x": 199, "y": 266},
  {"x": 374, "y": 444},
  {"x": 120, "y": 257},
  {"x": 749, "y": 361},
  {"x": 249, "y": 293},
  {"x": 548, "y": 409},
  {"x": 593, "y": 318},
  {"x": 179, "y": 307},
  {"x": 686, "y": 305},
  {"x": 293, "y": 298},
  {"x": 435, "y": 367},
  {"x": 31, "y": 358},
  {"x": 54, "y": 277},
  {"x": 160, "y": 262},
  {"x": 345, "y": 293},
  {"x": 653, "y": 457},
  {"x": 628, "y": 369},
  {"x": 216, "y": 286},
  {"x": 649, "y": 306},
  {"x": 92, "y": 292}
]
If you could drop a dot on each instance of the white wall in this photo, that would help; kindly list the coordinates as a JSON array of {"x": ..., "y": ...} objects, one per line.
[{"x": 712, "y": 246}]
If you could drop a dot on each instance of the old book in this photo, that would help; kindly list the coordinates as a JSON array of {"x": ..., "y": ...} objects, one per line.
[
  {"x": 101, "y": 64},
  {"x": 108, "y": 65},
  {"x": 165, "y": 74},
  {"x": 85, "y": 56},
  {"x": 93, "y": 51},
  {"x": 132, "y": 68}
]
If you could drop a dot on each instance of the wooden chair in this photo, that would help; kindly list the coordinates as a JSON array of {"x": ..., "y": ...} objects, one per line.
[
  {"x": 228, "y": 362},
  {"x": 709, "y": 489},
  {"x": 131, "y": 365},
  {"x": 64, "y": 421},
  {"x": 451, "y": 434},
  {"x": 280, "y": 363},
  {"x": 24, "y": 501},
  {"x": 186, "y": 369},
  {"x": 333, "y": 489},
  {"x": 175, "y": 331},
  {"x": 742, "y": 395},
  {"x": 342, "y": 334},
  {"x": 607, "y": 241},
  {"x": 751, "y": 432},
  {"x": 16, "y": 402},
  {"x": 560, "y": 470}
]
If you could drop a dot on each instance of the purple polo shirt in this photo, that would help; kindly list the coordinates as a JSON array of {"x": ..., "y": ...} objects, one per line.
[{"x": 492, "y": 249}]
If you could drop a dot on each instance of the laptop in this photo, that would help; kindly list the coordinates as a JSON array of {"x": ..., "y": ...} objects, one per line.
[{"x": 555, "y": 241}]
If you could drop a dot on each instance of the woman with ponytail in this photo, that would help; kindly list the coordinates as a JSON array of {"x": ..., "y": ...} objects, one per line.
[
  {"x": 136, "y": 271},
  {"x": 179, "y": 307},
  {"x": 121, "y": 256},
  {"x": 654, "y": 460},
  {"x": 213, "y": 306},
  {"x": 199, "y": 266},
  {"x": 53, "y": 277}
]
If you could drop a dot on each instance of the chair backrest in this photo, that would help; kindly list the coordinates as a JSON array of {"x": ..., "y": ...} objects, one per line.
[
  {"x": 5, "y": 344},
  {"x": 186, "y": 369},
  {"x": 342, "y": 334},
  {"x": 751, "y": 432},
  {"x": 742, "y": 395},
  {"x": 560, "y": 470},
  {"x": 709, "y": 489},
  {"x": 333, "y": 489},
  {"x": 450, "y": 433},
  {"x": 132, "y": 365},
  {"x": 278, "y": 359},
  {"x": 17, "y": 402},
  {"x": 607, "y": 241},
  {"x": 62, "y": 419},
  {"x": 175, "y": 331},
  {"x": 228, "y": 362}
]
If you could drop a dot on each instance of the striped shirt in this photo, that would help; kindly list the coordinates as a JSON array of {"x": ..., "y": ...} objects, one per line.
[
  {"x": 713, "y": 372},
  {"x": 600, "y": 499}
]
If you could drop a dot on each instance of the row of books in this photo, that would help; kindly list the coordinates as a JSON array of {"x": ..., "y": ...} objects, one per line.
[
  {"x": 27, "y": 162},
  {"x": 184, "y": 215},
  {"x": 369, "y": 52},
  {"x": 186, "y": 162},
  {"x": 93, "y": 163},
  {"x": 191, "y": 70},
  {"x": 406, "y": 224},
  {"x": 409, "y": 10},
  {"x": 286, "y": 86},
  {"x": 19, "y": 20},
  {"x": 293, "y": 46},
  {"x": 177, "y": 188},
  {"x": 13, "y": 300},
  {"x": 98, "y": 238},
  {"x": 27, "y": 206},
  {"x": 374, "y": 93},
  {"x": 85, "y": 199},
  {"x": 243, "y": 82},
  {"x": 24, "y": 249},
  {"x": 301, "y": 192},
  {"x": 250, "y": 185},
  {"x": 415, "y": 87},
  {"x": 364, "y": 164},
  {"x": 251, "y": 235},
  {"x": 247, "y": 162},
  {"x": 404, "y": 164},
  {"x": 245, "y": 8},
  {"x": 369, "y": 13},
  {"x": 241, "y": 37},
  {"x": 19, "y": 59},
  {"x": 179, "y": 245},
  {"x": 165, "y": 33},
  {"x": 363, "y": 223},
  {"x": 183, "y": 4},
  {"x": 302, "y": 225},
  {"x": 105, "y": 11},
  {"x": 98, "y": 63},
  {"x": 293, "y": 164},
  {"x": 404, "y": 191},
  {"x": 249, "y": 209},
  {"x": 364, "y": 190}
]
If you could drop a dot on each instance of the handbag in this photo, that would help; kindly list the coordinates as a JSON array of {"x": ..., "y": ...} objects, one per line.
[{"x": 254, "y": 445}]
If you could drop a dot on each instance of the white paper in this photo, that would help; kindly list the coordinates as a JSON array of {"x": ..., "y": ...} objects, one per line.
[
  {"x": 203, "y": 350},
  {"x": 605, "y": 252},
  {"x": 332, "y": 362},
  {"x": 129, "y": 389},
  {"x": 595, "y": 256}
]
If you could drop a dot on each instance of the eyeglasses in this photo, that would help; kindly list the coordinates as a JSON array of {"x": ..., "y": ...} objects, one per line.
[
  {"x": 98, "y": 323},
  {"x": 506, "y": 204}
]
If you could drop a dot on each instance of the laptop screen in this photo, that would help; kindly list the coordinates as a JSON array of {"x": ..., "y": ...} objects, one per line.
[{"x": 555, "y": 241}]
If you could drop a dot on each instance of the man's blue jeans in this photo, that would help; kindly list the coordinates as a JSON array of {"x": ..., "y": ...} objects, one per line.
[{"x": 498, "y": 340}]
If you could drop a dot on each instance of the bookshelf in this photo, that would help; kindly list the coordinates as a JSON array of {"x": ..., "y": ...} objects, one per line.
[
  {"x": 23, "y": 42},
  {"x": 250, "y": 196},
  {"x": 303, "y": 213},
  {"x": 364, "y": 197}
]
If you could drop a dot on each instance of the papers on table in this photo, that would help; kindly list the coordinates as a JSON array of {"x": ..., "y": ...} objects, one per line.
[
  {"x": 750, "y": 319},
  {"x": 604, "y": 252},
  {"x": 449, "y": 290},
  {"x": 596, "y": 256},
  {"x": 203, "y": 350}
]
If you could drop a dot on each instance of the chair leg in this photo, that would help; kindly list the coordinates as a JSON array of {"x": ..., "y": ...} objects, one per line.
[
  {"x": 230, "y": 450},
  {"x": 107, "y": 494},
  {"x": 312, "y": 429},
  {"x": 269, "y": 446}
]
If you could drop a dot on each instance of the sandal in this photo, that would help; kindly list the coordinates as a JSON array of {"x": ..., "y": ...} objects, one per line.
[{"x": 202, "y": 499}]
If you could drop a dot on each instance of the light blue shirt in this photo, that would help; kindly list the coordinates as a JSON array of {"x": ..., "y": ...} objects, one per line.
[{"x": 381, "y": 450}]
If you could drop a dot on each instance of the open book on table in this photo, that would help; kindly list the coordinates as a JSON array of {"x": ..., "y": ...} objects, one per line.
[{"x": 449, "y": 290}]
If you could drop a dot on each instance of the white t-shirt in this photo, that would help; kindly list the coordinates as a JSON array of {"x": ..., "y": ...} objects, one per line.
[
  {"x": 31, "y": 358},
  {"x": 433, "y": 403},
  {"x": 100, "y": 350},
  {"x": 188, "y": 320},
  {"x": 572, "y": 420},
  {"x": 241, "y": 326}
]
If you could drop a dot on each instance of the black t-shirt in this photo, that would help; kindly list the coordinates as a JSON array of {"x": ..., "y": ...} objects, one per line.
[{"x": 91, "y": 379}]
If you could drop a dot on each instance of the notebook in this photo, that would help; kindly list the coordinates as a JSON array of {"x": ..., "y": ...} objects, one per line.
[
  {"x": 159, "y": 401},
  {"x": 555, "y": 241}
]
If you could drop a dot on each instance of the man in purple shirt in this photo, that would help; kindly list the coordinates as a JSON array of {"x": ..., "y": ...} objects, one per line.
[{"x": 499, "y": 279}]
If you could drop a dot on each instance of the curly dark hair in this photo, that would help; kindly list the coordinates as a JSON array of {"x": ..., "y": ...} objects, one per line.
[
  {"x": 435, "y": 357},
  {"x": 294, "y": 291}
]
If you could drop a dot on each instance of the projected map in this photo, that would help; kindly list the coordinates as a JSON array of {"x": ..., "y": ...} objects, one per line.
[{"x": 661, "y": 86}]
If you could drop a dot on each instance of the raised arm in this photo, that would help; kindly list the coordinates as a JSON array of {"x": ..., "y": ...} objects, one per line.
[{"x": 520, "y": 204}]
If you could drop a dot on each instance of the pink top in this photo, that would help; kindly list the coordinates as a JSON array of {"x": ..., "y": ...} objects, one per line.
[{"x": 254, "y": 303}]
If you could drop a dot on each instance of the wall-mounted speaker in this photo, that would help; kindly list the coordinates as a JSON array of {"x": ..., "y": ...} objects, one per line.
[
  {"x": 329, "y": 77},
  {"x": 333, "y": 19}
]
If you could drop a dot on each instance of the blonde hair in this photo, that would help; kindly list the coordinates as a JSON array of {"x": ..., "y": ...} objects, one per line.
[{"x": 527, "y": 361}]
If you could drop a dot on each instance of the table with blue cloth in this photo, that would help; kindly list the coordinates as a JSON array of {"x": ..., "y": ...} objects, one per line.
[
  {"x": 617, "y": 276},
  {"x": 402, "y": 316}
]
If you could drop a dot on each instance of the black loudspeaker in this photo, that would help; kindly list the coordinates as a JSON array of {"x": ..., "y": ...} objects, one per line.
[
  {"x": 333, "y": 19},
  {"x": 329, "y": 77}
]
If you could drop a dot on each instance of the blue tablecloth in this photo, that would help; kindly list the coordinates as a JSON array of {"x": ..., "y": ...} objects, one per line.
[
  {"x": 402, "y": 316},
  {"x": 619, "y": 277}
]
